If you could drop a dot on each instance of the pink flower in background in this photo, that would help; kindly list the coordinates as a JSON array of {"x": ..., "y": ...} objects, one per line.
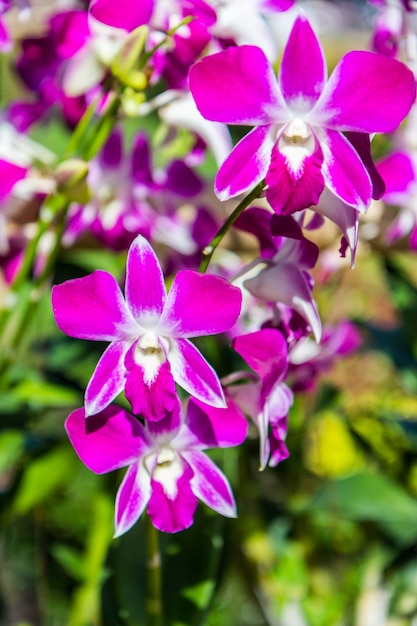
[
  {"x": 399, "y": 171},
  {"x": 307, "y": 359},
  {"x": 148, "y": 331},
  {"x": 298, "y": 145},
  {"x": 266, "y": 399},
  {"x": 168, "y": 471},
  {"x": 108, "y": 29},
  {"x": 280, "y": 274}
]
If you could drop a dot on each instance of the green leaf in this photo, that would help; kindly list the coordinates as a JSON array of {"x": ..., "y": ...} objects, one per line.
[
  {"x": 371, "y": 497},
  {"x": 12, "y": 444},
  {"x": 44, "y": 476},
  {"x": 70, "y": 560},
  {"x": 39, "y": 394}
]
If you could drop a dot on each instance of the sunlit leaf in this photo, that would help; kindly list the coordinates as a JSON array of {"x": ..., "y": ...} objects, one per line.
[{"x": 44, "y": 476}]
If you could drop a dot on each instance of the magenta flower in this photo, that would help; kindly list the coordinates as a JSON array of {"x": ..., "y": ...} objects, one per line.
[
  {"x": 266, "y": 399},
  {"x": 286, "y": 256},
  {"x": 167, "y": 469},
  {"x": 108, "y": 30},
  {"x": 399, "y": 171},
  {"x": 297, "y": 144},
  {"x": 148, "y": 331}
]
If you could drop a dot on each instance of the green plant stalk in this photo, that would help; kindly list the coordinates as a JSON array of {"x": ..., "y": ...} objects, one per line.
[
  {"x": 153, "y": 595},
  {"x": 88, "y": 138},
  {"x": 210, "y": 249}
]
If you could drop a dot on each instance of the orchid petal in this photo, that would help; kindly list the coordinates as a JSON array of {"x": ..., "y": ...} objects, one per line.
[
  {"x": 192, "y": 306},
  {"x": 294, "y": 178},
  {"x": 192, "y": 372},
  {"x": 83, "y": 72},
  {"x": 111, "y": 154},
  {"x": 287, "y": 284},
  {"x": 107, "y": 441},
  {"x": 344, "y": 172},
  {"x": 145, "y": 288},
  {"x": 171, "y": 512},
  {"x": 265, "y": 351},
  {"x": 128, "y": 16},
  {"x": 247, "y": 164},
  {"x": 6, "y": 43},
  {"x": 92, "y": 307},
  {"x": 399, "y": 174},
  {"x": 344, "y": 216},
  {"x": 10, "y": 174},
  {"x": 237, "y": 86},
  {"x": 303, "y": 70},
  {"x": 209, "y": 484},
  {"x": 256, "y": 220},
  {"x": 108, "y": 379},
  {"x": 261, "y": 420},
  {"x": 362, "y": 144},
  {"x": 210, "y": 427},
  {"x": 132, "y": 498},
  {"x": 351, "y": 102},
  {"x": 141, "y": 161},
  {"x": 154, "y": 400},
  {"x": 278, "y": 450}
]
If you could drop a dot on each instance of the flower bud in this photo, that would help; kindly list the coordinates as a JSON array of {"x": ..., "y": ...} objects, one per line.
[
  {"x": 71, "y": 180},
  {"x": 127, "y": 61}
]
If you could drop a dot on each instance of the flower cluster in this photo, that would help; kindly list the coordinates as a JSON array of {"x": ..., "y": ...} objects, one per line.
[{"x": 147, "y": 92}]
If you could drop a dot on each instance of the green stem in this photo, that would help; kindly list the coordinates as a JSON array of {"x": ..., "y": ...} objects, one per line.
[
  {"x": 209, "y": 250},
  {"x": 153, "y": 598}
]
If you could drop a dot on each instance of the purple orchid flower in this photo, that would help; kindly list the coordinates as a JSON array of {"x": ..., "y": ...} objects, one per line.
[
  {"x": 130, "y": 197},
  {"x": 399, "y": 170},
  {"x": 307, "y": 359},
  {"x": 148, "y": 331},
  {"x": 40, "y": 66},
  {"x": 168, "y": 471},
  {"x": 266, "y": 399},
  {"x": 286, "y": 256},
  {"x": 108, "y": 29},
  {"x": 297, "y": 144}
]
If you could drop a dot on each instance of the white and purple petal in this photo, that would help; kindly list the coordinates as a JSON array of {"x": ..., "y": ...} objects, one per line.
[
  {"x": 154, "y": 400},
  {"x": 192, "y": 372},
  {"x": 344, "y": 173},
  {"x": 132, "y": 497},
  {"x": 92, "y": 307},
  {"x": 172, "y": 503},
  {"x": 294, "y": 178},
  {"x": 351, "y": 102},
  {"x": 289, "y": 285},
  {"x": 192, "y": 306},
  {"x": 108, "y": 379},
  {"x": 145, "y": 288},
  {"x": 210, "y": 427},
  {"x": 303, "y": 70},
  {"x": 247, "y": 164},
  {"x": 238, "y": 86},
  {"x": 209, "y": 484}
]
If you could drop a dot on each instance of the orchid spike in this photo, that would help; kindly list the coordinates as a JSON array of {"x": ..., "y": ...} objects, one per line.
[
  {"x": 298, "y": 145},
  {"x": 167, "y": 469},
  {"x": 148, "y": 331}
]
